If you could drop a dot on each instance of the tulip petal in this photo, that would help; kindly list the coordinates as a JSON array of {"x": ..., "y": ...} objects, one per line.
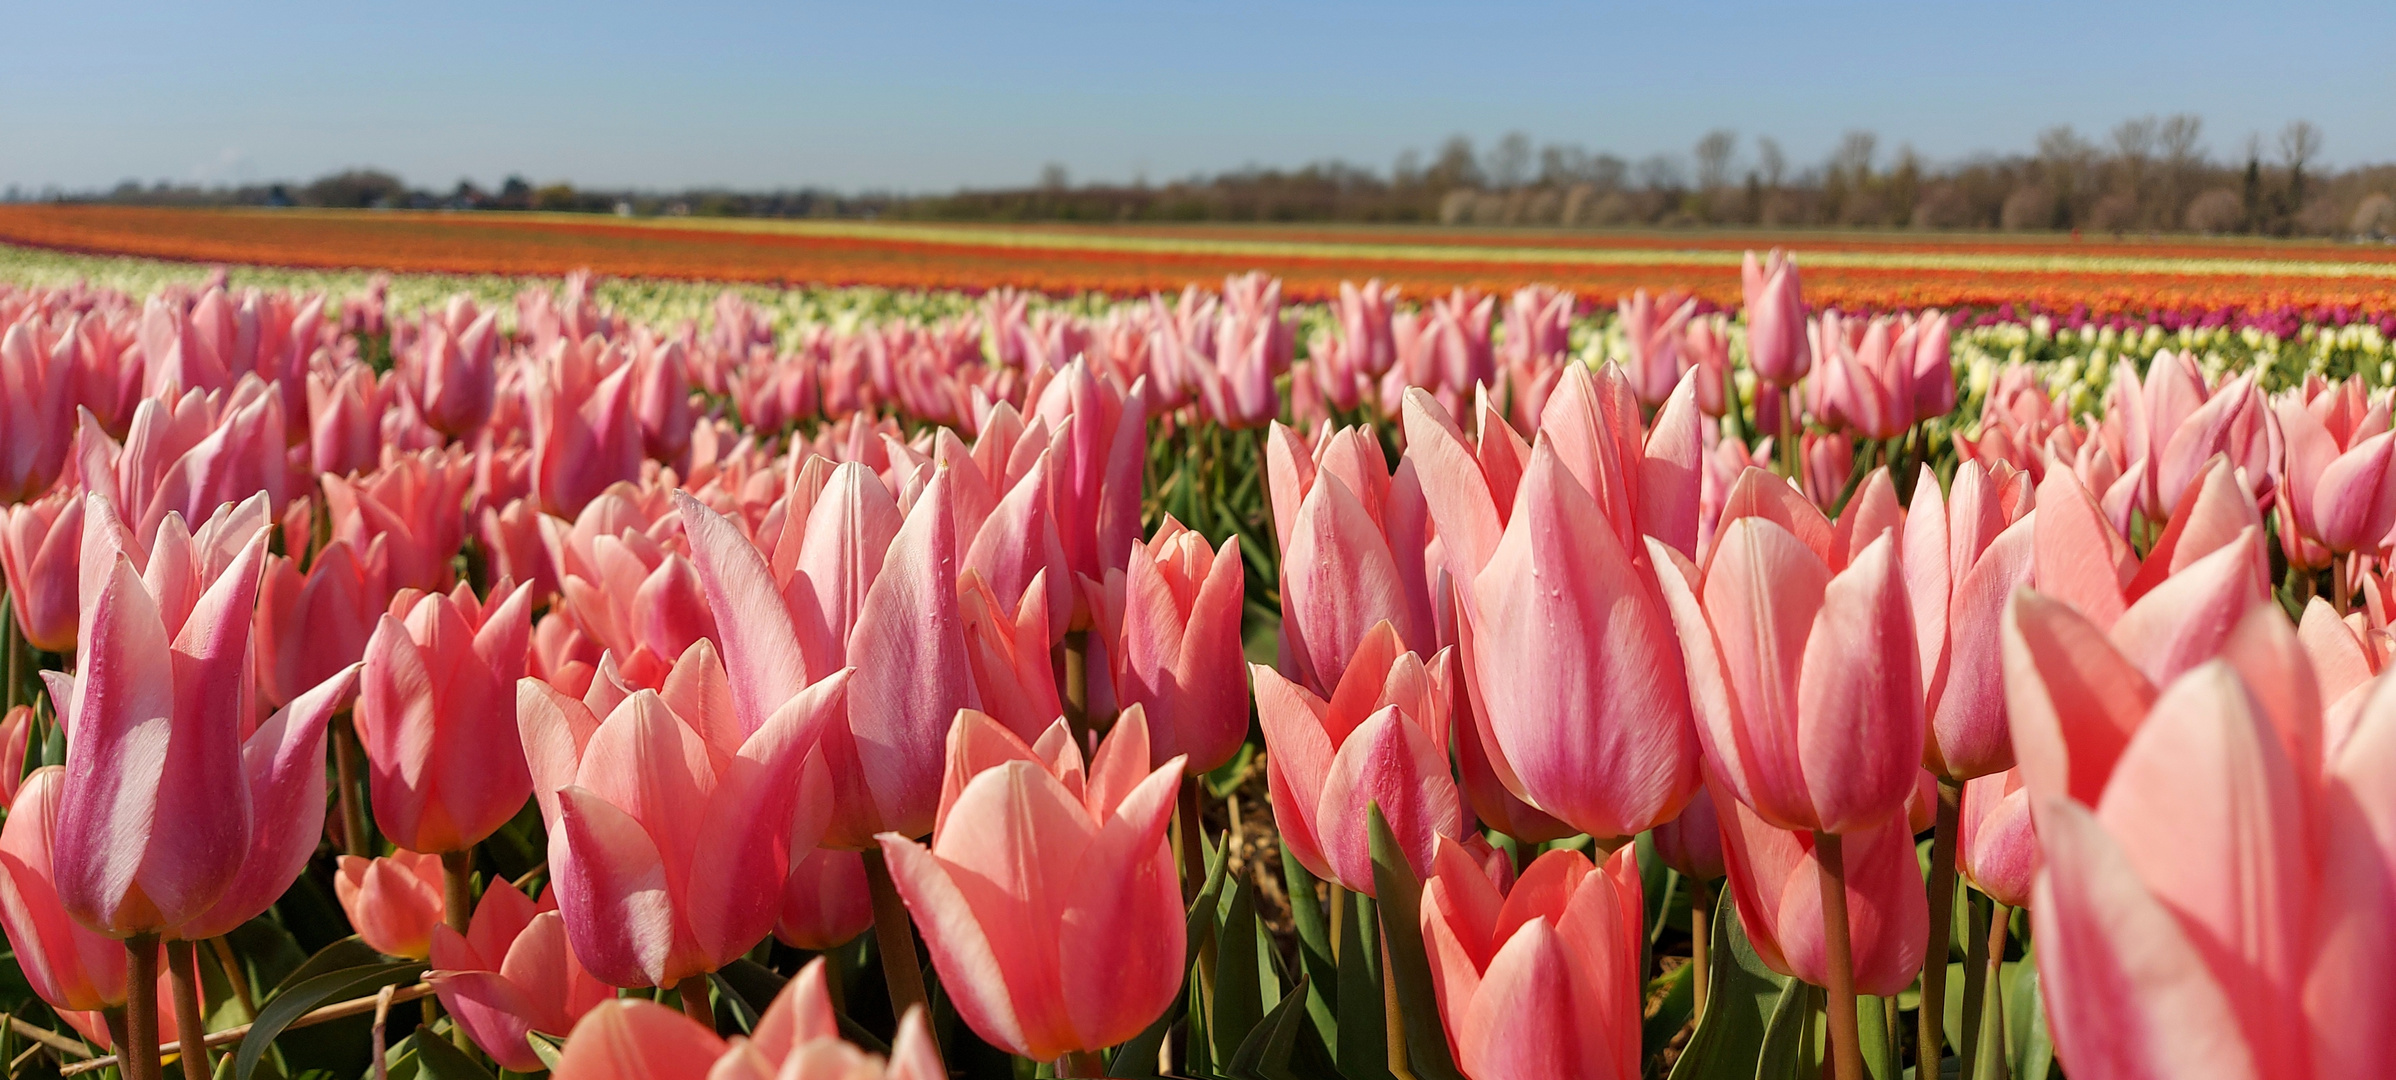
[{"x": 1859, "y": 698}]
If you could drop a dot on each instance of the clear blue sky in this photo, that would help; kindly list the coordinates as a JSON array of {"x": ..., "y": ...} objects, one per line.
[{"x": 926, "y": 95}]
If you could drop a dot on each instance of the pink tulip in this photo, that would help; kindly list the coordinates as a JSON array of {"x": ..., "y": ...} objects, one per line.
[
  {"x": 866, "y": 589},
  {"x": 1574, "y": 678},
  {"x": 1253, "y": 346},
  {"x": 1709, "y": 352},
  {"x": 1101, "y": 454},
  {"x": 1964, "y": 554},
  {"x": 70, "y": 967},
  {"x": 1829, "y": 459},
  {"x": 1180, "y": 653},
  {"x": 1381, "y": 739},
  {"x": 284, "y": 782},
  {"x": 1537, "y": 344},
  {"x": 312, "y": 624},
  {"x": 1802, "y": 665},
  {"x": 345, "y": 420},
  {"x": 1542, "y": 980},
  {"x": 1352, "y": 546},
  {"x": 2220, "y": 907},
  {"x": 37, "y": 408},
  {"x": 38, "y": 545},
  {"x": 189, "y": 456},
  {"x": 1778, "y": 889},
  {"x": 1933, "y": 364},
  {"x": 436, "y": 715},
  {"x": 674, "y": 791},
  {"x": 1012, "y": 672},
  {"x": 453, "y": 372},
  {"x": 584, "y": 430},
  {"x": 1692, "y": 842},
  {"x": 798, "y": 1038},
  {"x": 393, "y": 901},
  {"x": 1776, "y": 341},
  {"x": 2171, "y": 424},
  {"x": 1863, "y": 386},
  {"x": 1995, "y": 847},
  {"x": 1043, "y": 875},
  {"x": 1652, "y": 339},
  {"x": 415, "y": 502},
  {"x": 512, "y": 973},
  {"x": 2346, "y": 654},
  {"x": 825, "y": 903},
  {"x": 175, "y": 647},
  {"x": 2338, "y": 494}
]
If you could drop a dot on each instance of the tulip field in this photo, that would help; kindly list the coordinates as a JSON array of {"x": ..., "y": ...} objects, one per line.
[{"x": 1852, "y": 671}]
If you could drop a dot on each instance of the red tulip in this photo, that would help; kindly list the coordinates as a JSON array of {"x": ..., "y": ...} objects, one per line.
[
  {"x": 436, "y": 715},
  {"x": 1381, "y": 740},
  {"x": 38, "y": 545},
  {"x": 393, "y": 901},
  {"x": 1778, "y": 889},
  {"x": 1042, "y": 875},
  {"x": 672, "y": 823},
  {"x": 1802, "y": 665},
  {"x": 1180, "y": 653},
  {"x": 1543, "y": 980},
  {"x": 511, "y": 973},
  {"x": 1964, "y": 555},
  {"x": 884, "y": 602}
]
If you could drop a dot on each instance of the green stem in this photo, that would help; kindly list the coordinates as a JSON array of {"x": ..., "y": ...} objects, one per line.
[
  {"x": 1701, "y": 912},
  {"x": 693, "y": 992},
  {"x": 1932, "y": 1019},
  {"x": 1993, "y": 1026},
  {"x": 345, "y": 774},
  {"x": 1975, "y": 983},
  {"x": 1081, "y": 1063},
  {"x": 895, "y": 937},
  {"x": 1846, "y": 1045}
]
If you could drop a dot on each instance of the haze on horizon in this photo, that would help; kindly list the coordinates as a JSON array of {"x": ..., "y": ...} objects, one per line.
[{"x": 932, "y": 95}]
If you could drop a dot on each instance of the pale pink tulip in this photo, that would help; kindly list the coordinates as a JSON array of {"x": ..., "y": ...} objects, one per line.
[
  {"x": 1995, "y": 847},
  {"x": 825, "y": 902},
  {"x": 437, "y": 718},
  {"x": 1353, "y": 537},
  {"x": 38, "y": 545},
  {"x": 1180, "y": 652},
  {"x": 37, "y": 408},
  {"x": 1653, "y": 331},
  {"x": 1964, "y": 554},
  {"x": 311, "y": 624},
  {"x": 1778, "y": 889},
  {"x": 1776, "y": 340}
]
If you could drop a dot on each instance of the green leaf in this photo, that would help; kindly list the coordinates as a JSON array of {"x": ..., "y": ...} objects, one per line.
[
  {"x": 1744, "y": 997},
  {"x": 347, "y": 954},
  {"x": 437, "y": 1059},
  {"x": 544, "y": 1048},
  {"x": 1789, "y": 1039},
  {"x": 749, "y": 988},
  {"x": 1239, "y": 1004},
  {"x": 1427, "y": 1054},
  {"x": 291, "y": 1003},
  {"x": 1363, "y": 1048},
  {"x": 1271, "y": 1051},
  {"x": 2033, "y": 1049},
  {"x": 1680, "y": 994},
  {"x": 1314, "y": 947}
]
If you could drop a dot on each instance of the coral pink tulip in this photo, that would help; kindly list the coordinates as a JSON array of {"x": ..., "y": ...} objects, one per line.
[
  {"x": 415, "y": 502},
  {"x": 1542, "y": 980},
  {"x": 2220, "y": 908},
  {"x": 1012, "y": 673},
  {"x": 1652, "y": 340},
  {"x": 345, "y": 420},
  {"x": 393, "y": 901},
  {"x": 825, "y": 903},
  {"x": 1776, "y": 340},
  {"x": 453, "y": 372},
  {"x": 189, "y": 456},
  {"x": 437, "y": 718},
  {"x": 1778, "y": 889},
  {"x": 672, "y": 824},
  {"x": 284, "y": 783},
  {"x": 70, "y": 967},
  {"x": 1803, "y": 672},
  {"x": 511, "y": 973},
  {"x": 584, "y": 431},
  {"x": 39, "y": 541},
  {"x": 1964, "y": 554},
  {"x": 884, "y": 602},
  {"x": 1180, "y": 653},
  {"x": 1103, "y": 452},
  {"x": 797, "y": 1038},
  {"x": 1044, "y": 875},
  {"x": 1381, "y": 739},
  {"x": 1692, "y": 842},
  {"x": 1353, "y": 537}
]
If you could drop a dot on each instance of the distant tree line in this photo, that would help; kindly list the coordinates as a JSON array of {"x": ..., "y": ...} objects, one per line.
[{"x": 2149, "y": 174}]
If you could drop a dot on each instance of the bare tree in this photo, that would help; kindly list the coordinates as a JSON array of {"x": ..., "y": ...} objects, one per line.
[
  {"x": 2180, "y": 138},
  {"x": 1661, "y": 172},
  {"x": 1456, "y": 166},
  {"x": 1053, "y": 177},
  {"x": 1409, "y": 168},
  {"x": 2300, "y": 144},
  {"x": 1773, "y": 164},
  {"x": 1713, "y": 158},
  {"x": 1510, "y": 162},
  {"x": 1561, "y": 164},
  {"x": 1854, "y": 155}
]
